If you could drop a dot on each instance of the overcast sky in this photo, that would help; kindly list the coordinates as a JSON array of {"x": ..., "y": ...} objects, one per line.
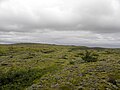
[{"x": 72, "y": 22}]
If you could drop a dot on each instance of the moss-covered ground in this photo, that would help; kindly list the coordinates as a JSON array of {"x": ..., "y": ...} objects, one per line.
[{"x": 58, "y": 67}]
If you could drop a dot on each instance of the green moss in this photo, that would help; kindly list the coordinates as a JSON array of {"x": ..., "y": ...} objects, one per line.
[{"x": 52, "y": 67}]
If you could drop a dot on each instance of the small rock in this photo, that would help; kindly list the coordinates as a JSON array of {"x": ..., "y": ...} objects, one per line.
[{"x": 80, "y": 75}]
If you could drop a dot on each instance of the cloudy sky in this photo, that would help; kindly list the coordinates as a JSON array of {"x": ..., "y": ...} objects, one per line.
[{"x": 69, "y": 22}]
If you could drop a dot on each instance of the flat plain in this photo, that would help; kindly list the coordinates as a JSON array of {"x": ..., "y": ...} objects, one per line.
[{"x": 58, "y": 67}]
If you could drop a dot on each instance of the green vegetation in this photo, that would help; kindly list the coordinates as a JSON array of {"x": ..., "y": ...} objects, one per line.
[
  {"x": 57, "y": 67},
  {"x": 89, "y": 56}
]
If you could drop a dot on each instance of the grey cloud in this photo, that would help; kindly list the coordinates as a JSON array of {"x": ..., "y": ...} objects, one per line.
[
  {"x": 94, "y": 15},
  {"x": 59, "y": 21},
  {"x": 62, "y": 37}
]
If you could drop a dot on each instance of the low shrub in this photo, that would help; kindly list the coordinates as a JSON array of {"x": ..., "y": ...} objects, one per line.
[
  {"x": 89, "y": 56},
  {"x": 72, "y": 62}
]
